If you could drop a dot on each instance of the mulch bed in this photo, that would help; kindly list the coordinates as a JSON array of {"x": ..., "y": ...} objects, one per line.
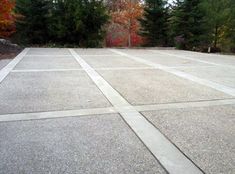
[
  {"x": 8, "y": 50},
  {"x": 9, "y": 55}
]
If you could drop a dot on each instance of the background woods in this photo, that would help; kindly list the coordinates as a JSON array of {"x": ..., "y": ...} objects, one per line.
[
  {"x": 7, "y": 18},
  {"x": 186, "y": 24},
  {"x": 124, "y": 25}
]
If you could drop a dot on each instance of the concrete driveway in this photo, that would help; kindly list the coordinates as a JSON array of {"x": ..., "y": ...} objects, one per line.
[{"x": 117, "y": 111}]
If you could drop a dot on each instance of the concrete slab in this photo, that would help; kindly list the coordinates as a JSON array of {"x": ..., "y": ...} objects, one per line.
[
  {"x": 48, "y": 51},
  {"x": 201, "y": 81},
  {"x": 205, "y": 135},
  {"x": 156, "y": 86},
  {"x": 4, "y": 62},
  {"x": 166, "y": 153},
  {"x": 93, "y": 51},
  {"x": 163, "y": 59},
  {"x": 47, "y": 62},
  {"x": 111, "y": 62},
  {"x": 48, "y": 91},
  {"x": 214, "y": 58},
  {"x": 221, "y": 75},
  {"x": 171, "y": 61},
  {"x": 92, "y": 144}
]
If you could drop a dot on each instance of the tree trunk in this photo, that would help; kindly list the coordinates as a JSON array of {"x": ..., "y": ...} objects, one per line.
[
  {"x": 216, "y": 37},
  {"x": 129, "y": 34}
]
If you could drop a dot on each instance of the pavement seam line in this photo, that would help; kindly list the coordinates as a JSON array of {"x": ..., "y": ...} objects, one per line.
[
  {"x": 168, "y": 155},
  {"x": 55, "y": 114},
  {"x": 99, "y": 55},
  {"x": 182, "y": 105},
  {"x": 98, "y": 69},
  {"x": 110, "y": 110},
  {"x": 7, "y": 69},
  {"x": 217, "y": 86},
  {"x": 44, "y": 70},
  {"x": 47, "y": 55},
  {"x": 189, "y": 58}
]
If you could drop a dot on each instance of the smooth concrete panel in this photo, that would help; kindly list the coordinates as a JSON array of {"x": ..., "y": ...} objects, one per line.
[
  {"x": 92, "y": 144},
  {"x": 155, "y": 86},
  {"x": 205, "y": 135},
  {"x": 111, "y": 62},
  {"x": 47, "y": 62},
  {"x": 49, "y": 91}
]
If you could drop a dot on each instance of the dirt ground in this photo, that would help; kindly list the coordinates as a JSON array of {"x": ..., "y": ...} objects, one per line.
[{"x": 9, "y": 55}]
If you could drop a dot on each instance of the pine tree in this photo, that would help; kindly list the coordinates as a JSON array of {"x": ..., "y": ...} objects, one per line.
[
  {"x": 78, "y": 22},
  {"x": 93, "y": 16},
  {"x": 74, "y": 22},
  {"x": 154, "y": 22},
  {"x": 32, "y": 27},
  {"x": 219, "y": 19},
  {"x": 188, "y": 24}
]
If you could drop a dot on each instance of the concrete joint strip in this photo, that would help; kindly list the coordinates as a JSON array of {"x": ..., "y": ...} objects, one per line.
[
  {"x": 99, "y": 55},
  {"x": 55, "y": 114},
  {"x": 44, "y": 55},
  {"x": 192, "y": 66},
  {"x": 7, "y": 69},
  {"x": 98, "y": 69},
  {"x": 124, "y": 68},
  {"x": 44, "y": 70},
  {"x": 217, "y": 86},
  {"x": 173, "y": 160},
  {"x": 195, "y": 104},
  {"x": 111, "y": 110}
]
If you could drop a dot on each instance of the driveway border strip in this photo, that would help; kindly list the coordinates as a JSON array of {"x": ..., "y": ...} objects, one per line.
[
  {"x": 100, "y": 69},
  {"x": 56, "y": 114},
  {"x": 43, "y": 70},
  {"x": 48, "y": 55},
  {"x": 172, "y": 159},
  {"x": 195, "y": 104},
  {"x": 110, "y": 110},
  {"x": 7, "y": 69}
]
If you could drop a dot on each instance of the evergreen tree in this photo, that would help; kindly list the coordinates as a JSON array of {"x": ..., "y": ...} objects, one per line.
[
  {"x": 93, "y": 16},
  {"x": 231, "y": 26},
  {"x": 78, "y": 22},
  {"x": 188, "y": 24},
  {"x": 219, "y": 19},
  {"x": 154, "y": 22},
  {"x": 32, "y": 26},
  {"x": 74, "y": 22}
]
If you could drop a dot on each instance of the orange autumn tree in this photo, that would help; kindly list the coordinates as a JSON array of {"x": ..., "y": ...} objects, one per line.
[
  {"x": 7, "y": 18},
  {"x": 124, "y": 26}
]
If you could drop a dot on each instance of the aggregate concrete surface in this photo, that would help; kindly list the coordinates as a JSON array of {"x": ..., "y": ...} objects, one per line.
[
  {"x": 156, "y": 86},
  {"x": 47, "y": 62},
  {"x": 206, "y": 134},
  {"x": 92, "y": 144},
  {"x": 50, "y": 81},
  {"x": 49, "y": 91}
]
